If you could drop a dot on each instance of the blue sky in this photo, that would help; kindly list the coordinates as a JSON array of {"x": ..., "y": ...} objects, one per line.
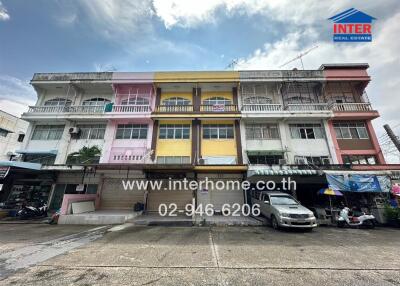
[{"x": 148, "y": 35}]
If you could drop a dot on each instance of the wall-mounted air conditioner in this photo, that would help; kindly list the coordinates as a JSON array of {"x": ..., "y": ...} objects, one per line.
[
  {"x": 282, "y": 162},
  {"x": 74, "y": 130}
]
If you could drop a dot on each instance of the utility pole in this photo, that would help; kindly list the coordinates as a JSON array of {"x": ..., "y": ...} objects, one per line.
[{"x": 392, "y": 136}]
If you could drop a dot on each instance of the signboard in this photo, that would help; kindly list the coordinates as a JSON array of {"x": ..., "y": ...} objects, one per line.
[
  {"x": 218, "y": 107},
  {"x": 4, "y": 172},
  {"x": 358, "y": 183}
]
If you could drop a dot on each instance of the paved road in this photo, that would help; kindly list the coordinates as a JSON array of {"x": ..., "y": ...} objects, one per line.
[{"x": 223, "y": 256}]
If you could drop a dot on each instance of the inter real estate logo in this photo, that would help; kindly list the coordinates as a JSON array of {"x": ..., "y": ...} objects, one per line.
[{"x": 352, "y": 26}]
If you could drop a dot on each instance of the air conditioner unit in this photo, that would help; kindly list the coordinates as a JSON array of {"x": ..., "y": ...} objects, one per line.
[
  {"x": 301, "y": 161},
  {"x": 201, "y": 161},
  {"x": 74, "y": 130},
  {"x": 282, "y": 162}
]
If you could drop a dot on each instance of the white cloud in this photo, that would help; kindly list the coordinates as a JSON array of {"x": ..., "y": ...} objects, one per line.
[
  {"x": 4, "y": 16},
  {"x": 15, "y": 95}
]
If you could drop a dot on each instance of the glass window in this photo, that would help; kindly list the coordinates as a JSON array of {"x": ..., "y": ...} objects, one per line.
[
  {"x": 264, "y": 159},
  {"x": 359, "y": 159},
  {"x": 173, "y": 159},
  {"x": 135, "y": 101},
  {"x": 217, "y": 100},
  {"x": 48, "y": 132},
  {"x": 131, "y": 131},
  {"x": 58, "y": 102},
  {"x": 257, "y": 100},
  {"x": 218, "y": 131},
  {"x": 95, "y": 101},
  {"x": 176, "y": 101},
  {"x": 306, "y": 131},
  {"x": 262, "y": 131},
  {"x": 174, "y": 131},
  {"x": 312, "y": 160},
  {"x": 95, "y": 131},
  {"x": 45, "y": 159},
  {"x": 350, "y": 130}
]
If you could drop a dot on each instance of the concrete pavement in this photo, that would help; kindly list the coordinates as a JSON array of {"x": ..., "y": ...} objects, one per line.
[{"x": 132, "y": 255}]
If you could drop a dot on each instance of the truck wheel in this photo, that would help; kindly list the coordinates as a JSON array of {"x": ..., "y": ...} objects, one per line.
[{"x": 274, "y": 223}]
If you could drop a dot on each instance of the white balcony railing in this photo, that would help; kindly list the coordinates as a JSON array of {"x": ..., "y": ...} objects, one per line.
[
  {"x": 351, "y": 107},
  {"x": 174, "y": 108},
  {"x": 131, "y": 108},
  {"x": 307, "y": 107},
  {"x": 87, "y": 109},
  {"x": 262, "y": 107}
]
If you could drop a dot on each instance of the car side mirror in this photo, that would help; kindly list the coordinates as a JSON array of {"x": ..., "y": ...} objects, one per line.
[{"x": 266, "y": 202}]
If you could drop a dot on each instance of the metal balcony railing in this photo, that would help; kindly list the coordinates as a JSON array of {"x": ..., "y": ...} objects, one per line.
[
  {"x": 349, "y": 107},
  {"x": 87, "y": 109},
  {"x": 174, "y": 108},
  {"x": 262, "y": 107},
  {"x": 131, "y": 108},
  {"x": 218, "y": 108}
]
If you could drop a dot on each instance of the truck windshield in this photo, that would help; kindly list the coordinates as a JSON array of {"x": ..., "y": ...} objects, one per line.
[{"x": 282, "y": 200}]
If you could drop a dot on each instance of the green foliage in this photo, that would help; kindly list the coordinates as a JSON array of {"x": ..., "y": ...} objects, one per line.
[
  {"x": 392, "y": 213},
  {"x": 86, "y": 155}
]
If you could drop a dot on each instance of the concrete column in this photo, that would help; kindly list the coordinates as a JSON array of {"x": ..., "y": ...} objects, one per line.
[
  {"x": 238, "y": 139},
  {"x": 244, "y": 142},
  {"x": 63, "y": 144},
  {"x": 285, "y": 141},
  {"x": 379, "y": 154},
  {"x": 329, "y": 142},
  {"x": 109, "y": 137}
]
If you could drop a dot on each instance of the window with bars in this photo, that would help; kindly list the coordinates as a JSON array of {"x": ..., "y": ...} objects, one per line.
[
  {"x": 350, "y": 130},
  {"x": 95, "y": 102},
  {"x": 299, "y": 93},
  {"x": 131, "y": 131},
  {"x": 217, "y": 100},
  {"x": 135, "y": 101},
  {"x": 176, "y": 101},
  {"x": 48, "y": 132},
  {"x": 313, "y": 160},
  {"x": 306, "y": 131},
  {"x": 359, "y": 159},
  {"x": 257, "y": 100},
  {"x": 265, "y": 159},
  {"x": 58, "y": 102},
  {"x": 218, "y": 131},
  {"x": 341, "y": 92},
  {"x": 93, "y": 131},
  {"x": 262, "y": 131},
  {"x": 174, "y": 131},
  {"x": 173, "y": 159}
]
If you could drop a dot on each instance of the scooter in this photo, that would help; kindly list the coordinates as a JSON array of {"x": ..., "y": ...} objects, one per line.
[
  {"x": 362, "y": 220},
  {"x": 29, "y": 212}
]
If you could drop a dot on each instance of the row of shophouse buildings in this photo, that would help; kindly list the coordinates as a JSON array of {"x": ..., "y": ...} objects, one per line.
[{"x": 216, "y": 124}]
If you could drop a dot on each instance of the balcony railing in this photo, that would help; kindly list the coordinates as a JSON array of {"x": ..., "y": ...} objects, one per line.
[
  {"x": 174, "y": 108},
  {"x": 349, "y": 107},
  {"x": 218, "y": 108},
  {"x": 120, "y": 155},
  {"x": 131, "y": 108},
  {"x": 262, "y": 107},
  {"x": 307, "y": 107},
  {"x": 88, "y": 109}
]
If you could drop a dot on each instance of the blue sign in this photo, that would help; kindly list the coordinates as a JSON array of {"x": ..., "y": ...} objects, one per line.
[
  {"x": 352, "y": 25},
  {"x": 355, "y": 183}
]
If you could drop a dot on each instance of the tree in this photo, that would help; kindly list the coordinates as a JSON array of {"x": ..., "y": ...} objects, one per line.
[{"x": 86, "y": 155}]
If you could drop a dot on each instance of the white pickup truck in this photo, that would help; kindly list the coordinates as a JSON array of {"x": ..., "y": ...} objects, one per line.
[{"x": 282, "y": 210}]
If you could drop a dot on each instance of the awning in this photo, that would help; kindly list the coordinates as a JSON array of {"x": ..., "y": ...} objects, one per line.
[
  {"x": 23, "y": 165},
  {"x": 37, "y": 152},
  {"x": 281, "y": 172}
]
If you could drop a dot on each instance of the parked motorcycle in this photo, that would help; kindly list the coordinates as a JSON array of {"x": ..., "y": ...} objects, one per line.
[
  {"x": 355, "y": 220},
  {"x": 30, "y": 212}
]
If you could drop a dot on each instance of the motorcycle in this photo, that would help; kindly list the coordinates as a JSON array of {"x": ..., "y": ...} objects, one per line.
[
  {"x": 356, "y": 221},
  {"x": 30, "y": 212}
]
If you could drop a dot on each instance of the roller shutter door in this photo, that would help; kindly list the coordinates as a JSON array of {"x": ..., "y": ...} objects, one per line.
[
  {"x": 113, "y": 196},
  {"x": 180, "y": 198}
]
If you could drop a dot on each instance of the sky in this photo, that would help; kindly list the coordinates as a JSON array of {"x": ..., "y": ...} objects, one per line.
[{"x": 157, "y": 35}]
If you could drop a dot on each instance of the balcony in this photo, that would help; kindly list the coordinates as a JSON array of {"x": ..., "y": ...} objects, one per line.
[
  {"x": 219, "y": 108},
  {"x": 262, "y": 107},
  {"x": 351, "y": 107},
  {"x": 174, "y": 108},
  {"x": 86, "y": 109},
  {"x": 131, "y": 108},
  {"x": 307, "y": 107}
]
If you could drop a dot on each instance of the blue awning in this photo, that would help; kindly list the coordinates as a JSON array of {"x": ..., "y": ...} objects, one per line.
[
  {"x": 37, "y": 152},
  {"x": 24, "y": 165}
]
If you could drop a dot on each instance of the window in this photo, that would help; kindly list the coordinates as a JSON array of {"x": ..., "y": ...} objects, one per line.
[
  {"x": 217, "y": 100},
  {"x": 306, "y": 131},
  {"x": 262, "y": 131},
  {"x": 173, "y": 159},
  {"x": 21, "y": 137},
  {"x": 299, "y": 93},
  {"x": 257, "y": 100},
  {"x": 312, "y": 160},
  {"x": 359, "y": 159},
  {"x": 135, "y": 101},
  {"x": 350, "y": 130},
  {"x": 174, "y": 131},
  {"x": 45, "y": 159},
  {"x": 92, "y": 131},
  {"x": 265, "y": 159},
  {"x": 58, "y": 102},
  {"x": 341, "y": 92},
  {"x": 218, "y": 131},
  {"x": 48, "y": 132},
  {"x": 131, "y": 131},
  {"x": 176, "y": 101},
  {"x": 95, "y": 102}
]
